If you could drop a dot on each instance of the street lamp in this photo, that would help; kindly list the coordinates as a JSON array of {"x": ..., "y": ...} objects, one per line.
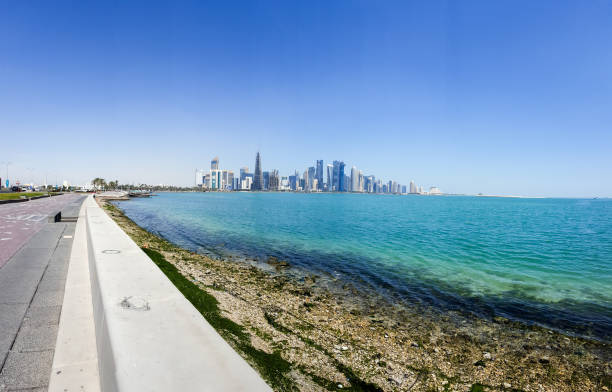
[{"x": 7, "y": 173}]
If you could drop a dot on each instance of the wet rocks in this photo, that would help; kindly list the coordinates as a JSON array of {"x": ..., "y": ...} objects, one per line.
[{"x": 278, "y": 264}]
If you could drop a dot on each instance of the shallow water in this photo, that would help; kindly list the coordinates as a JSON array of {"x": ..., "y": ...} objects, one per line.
[{"x": 544, "y": 261}]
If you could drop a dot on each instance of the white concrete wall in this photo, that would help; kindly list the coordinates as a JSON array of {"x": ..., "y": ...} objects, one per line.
[
  {"x": 149, "y": 337},
  {"x": 75, "y": 362}
]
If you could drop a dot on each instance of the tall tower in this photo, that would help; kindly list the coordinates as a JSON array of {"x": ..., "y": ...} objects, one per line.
[
  {"x": 258, "y": 175},
  {"x": 214, "y": 164},
  {"x": 354, "y": 179},
  {"x": 319, "y": 174}
]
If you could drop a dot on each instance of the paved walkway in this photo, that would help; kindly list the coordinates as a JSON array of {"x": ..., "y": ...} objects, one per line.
[
  {"x": 31, "y": 295},
  {"x": 20, "y": 221}
]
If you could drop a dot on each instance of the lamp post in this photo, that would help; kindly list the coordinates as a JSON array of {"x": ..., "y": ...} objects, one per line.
[{"x": 7, "y": 172}]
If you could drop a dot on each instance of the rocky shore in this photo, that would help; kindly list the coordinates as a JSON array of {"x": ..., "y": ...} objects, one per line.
[{"x": 302, "y": 336}]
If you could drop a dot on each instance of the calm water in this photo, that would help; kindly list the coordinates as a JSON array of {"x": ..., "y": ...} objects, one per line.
[{"x": 547, "y": 261}]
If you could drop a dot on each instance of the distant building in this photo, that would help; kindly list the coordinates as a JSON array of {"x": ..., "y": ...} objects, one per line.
[
  {"x": 338, "y": 177},
  {"x": 404, "y": 189},
  {"x": 330, "y": 177},
  {"x": 284, "y": 184},
  {"x": 258, "y": 175},
  {"x": 413, "y": 187},
  {"x": 214, "y": 164},
  {"x": 354, "y": 179},
  {"x": 319, "y": 174},
  {"x": 293, "y": 182},
  {"x": 247, "y": 183},
  {"x": 243, "y": 173},
  {"x": 199, "y": 177},
  {"x": 434, "y": 190},
  {"x": 273, "y": 181},
  {"x": 266, "y": 180},
  {"x": 311, "y": 177}
]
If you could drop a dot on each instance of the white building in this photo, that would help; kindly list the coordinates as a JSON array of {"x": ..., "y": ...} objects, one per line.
[
  {"x": 246, "y": 183},
  {"x": 434, "y": 190},
  {"x": 354, "y": 179},
  {"x": 413, "y": 187}
]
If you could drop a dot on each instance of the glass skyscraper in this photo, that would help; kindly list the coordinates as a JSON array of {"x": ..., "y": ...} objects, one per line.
[{"x": 258, "y": 175}]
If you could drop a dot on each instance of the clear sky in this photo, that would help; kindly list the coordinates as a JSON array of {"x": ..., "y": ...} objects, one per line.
[{"x": 499, "y": 97}]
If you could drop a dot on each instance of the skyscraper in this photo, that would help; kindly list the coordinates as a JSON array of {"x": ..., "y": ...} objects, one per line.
[
  {"x": 266, "y": 180},
  {"x": 341, "y": 180},
  {"x": 413, "y": 187},
  {"x": 338, "y": 177},
  {"x": 312, "y": 175},
  {"x": 319, "y": 175},
  {"x": 243, "y": 173},
  {"x": 214, "y": 164},
  {"x": 354, "y": 179},
  {"x": 274, "y": 181},
  {"x": 258, "y": 175},
  {"x": 330, "y": 177}
]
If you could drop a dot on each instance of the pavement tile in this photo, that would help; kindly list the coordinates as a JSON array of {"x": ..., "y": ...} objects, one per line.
[
  {"x": 36, "y": 338},
  {"x": 18, "y": 291},
  {"x": 48, "y": 298},
  {"x": 42, "y": 315},
  {"x": 26, "y": 370},
  {"x": 53, "y": 281}
]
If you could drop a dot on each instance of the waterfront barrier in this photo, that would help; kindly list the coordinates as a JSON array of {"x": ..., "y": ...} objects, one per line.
[{"x": 148, "y": 336}]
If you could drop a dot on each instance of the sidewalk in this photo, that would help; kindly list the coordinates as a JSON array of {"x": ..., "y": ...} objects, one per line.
[{"x": 31, "y": 295}]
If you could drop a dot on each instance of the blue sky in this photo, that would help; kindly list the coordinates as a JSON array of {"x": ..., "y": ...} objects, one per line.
[{"x": 503, "y": 97}]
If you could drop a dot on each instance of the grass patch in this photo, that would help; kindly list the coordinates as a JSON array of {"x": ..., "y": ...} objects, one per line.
[
  {"x": 272, "y": 367},
  {"x": 17, "y": 195}
]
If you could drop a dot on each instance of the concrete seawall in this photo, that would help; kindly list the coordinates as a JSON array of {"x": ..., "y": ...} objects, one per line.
[{"x": 148, "y": 336}]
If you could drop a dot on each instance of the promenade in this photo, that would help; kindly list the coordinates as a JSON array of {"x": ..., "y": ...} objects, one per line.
[
  {"x": 20, "y": 221},
  {"x": 83, "y": 308},
  {"x": 34, "y": 256}
]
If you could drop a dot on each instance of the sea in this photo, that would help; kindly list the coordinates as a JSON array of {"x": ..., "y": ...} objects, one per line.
[{"x": 541, "y": 261}]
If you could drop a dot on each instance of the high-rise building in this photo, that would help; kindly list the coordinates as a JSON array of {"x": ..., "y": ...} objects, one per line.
[
  {"x": 258, "y": 175},
  {"x": 214, "y": 164},
  {"x": 311, "y": 177},
  {"x": 330, "y": 177},
  {"x": 319, "y": 175},
  {"x": 293, "y": 182},
  {"x": 243, "y": 173},
  {"x": 338, "y": 177},
  {"x": 413, "y": 187},
  {"x": 403, "y": 188},
  {"x": 266, "y": 180},
  {"x": 305, "y": 182},
  {"x": 229, "y": 185},
  {"x": 199, "y": 177},
  {"x": 360, "y": 182},
  {"x": 354, "y": 179},
  {"x": 247, "y": 183},
  {"x": 274, "y": 181}
]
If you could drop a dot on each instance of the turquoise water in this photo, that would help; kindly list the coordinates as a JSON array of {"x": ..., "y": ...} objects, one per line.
[{"x": 545, "y": 261}]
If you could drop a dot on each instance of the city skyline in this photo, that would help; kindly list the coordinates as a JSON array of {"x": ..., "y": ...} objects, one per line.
[
  {"x": 218, "y": 178},
  {"x": 508, "y": 98}
]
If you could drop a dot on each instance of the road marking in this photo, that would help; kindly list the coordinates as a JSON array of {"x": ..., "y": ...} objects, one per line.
[{"x": 67, "y": 236}]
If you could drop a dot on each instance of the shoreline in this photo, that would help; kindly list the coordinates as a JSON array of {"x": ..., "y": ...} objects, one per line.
[{"x": 322, "y": 341}]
